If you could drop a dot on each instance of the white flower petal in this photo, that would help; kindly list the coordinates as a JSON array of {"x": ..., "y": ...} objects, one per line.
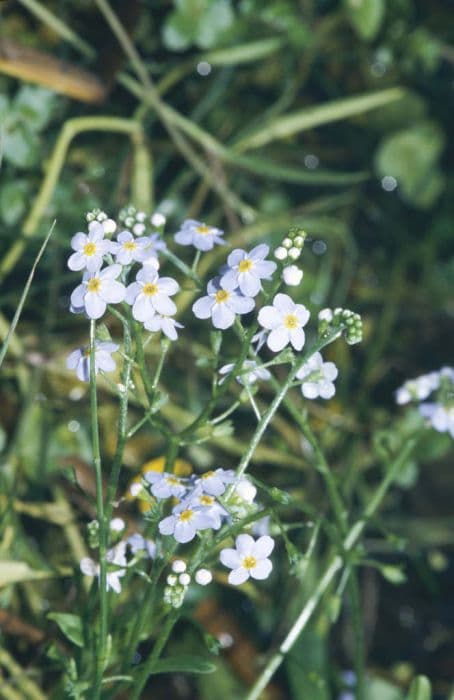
[
  {"x": 244, "y": 544},
  {"x": 297, "y": 338},
  {"x": 278, "y": 339},
  {"x": 202, "y": 307},
  {"x": 238, "y": 576},
  {"x": 94, "y": 305},
  {"x": 269, "y": 317},
  {"x": 263, "y": 547},
  {"x": 223, "y": 317},
  {"x": 261, "y": 570}
]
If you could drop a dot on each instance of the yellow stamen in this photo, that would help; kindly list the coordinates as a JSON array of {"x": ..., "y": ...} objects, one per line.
[
  {"x": 94, "y": 284},
  {"x": 203, "y": 229},
  {"x": 129, "y": 245},
  {"x": 206, "y": 500},
  {"x": 172, "y": 481},
  {"x": 249, "y": 562},
  {"x": 244, "y": 265},
  {"x": 89, "y": 249},
  {"x": 186, "y": 515},
  {"x": 221, "y": 296},
  {"x": 149, "y": 289},
  {"x": 207, "y": 475},
  {"x": 291, "y": 321}
]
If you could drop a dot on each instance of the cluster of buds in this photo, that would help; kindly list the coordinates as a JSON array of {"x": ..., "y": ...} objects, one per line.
[
  {"x": 179, "y": 580},
  {"x": 343, "y": 320},
  {"x": 292, "y": 245},
  {"x": 137, "y": 222},
  {"x": 100, "y": 217}
]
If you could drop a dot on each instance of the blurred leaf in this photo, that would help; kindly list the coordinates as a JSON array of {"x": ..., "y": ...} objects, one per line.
[
  {"x": 70, "y": 625},
  {"x": 13, "y": 200},
  {"x": 34, "y": 105},
  {"x": 411, "y": 157},
  {"x": 312, "y": 117},
  {"x": 420, "y": 689},
  {"x": 378, "y": 689},
  {"x": 244, "y": 53},
  {"x": 393, "y": 574},
  {"x": 17, "y": 571},
  {"x": 366, "y": 16},
  {"x": 199, "y": 22},
  {"x": 306, "y": 667},
  {"x": 184, "y": 664},
  {"x": 20, "y": 146}
]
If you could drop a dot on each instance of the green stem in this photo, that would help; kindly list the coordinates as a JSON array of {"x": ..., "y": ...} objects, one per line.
[
  {"x": 155, "y": 654},
  {"x": 334, "y": 566},
  {"x": 102, "y": 639}
]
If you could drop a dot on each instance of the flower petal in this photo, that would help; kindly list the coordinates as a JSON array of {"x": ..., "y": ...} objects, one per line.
[
  {"x": 261, "y": 570},
  {"x": 202, "y": 307},
  {"x": 112, "y": 292},
  {"x": 94, "y": 305},
  {"x": 244, "y": 544},
  {"x": 238, "y": 576},
  {"x": 297, "y": 338},
  {"x": 223, "y": 317},
  {"x": 278, "y": 339},
  {"x": 263, "y": 547},
  {"x": 269, "y": 317}
]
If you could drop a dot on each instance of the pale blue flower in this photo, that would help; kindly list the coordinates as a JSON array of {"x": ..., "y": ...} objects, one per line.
[
  {"x": 222, "y": 303},
  {"x": 184, "y": 523},
  {"x": 318, "y": 378},
  {"x": 440, "y": 417},
  {"x": 98, "y": 289},
  {"x": 197, "y": 499},
  {"x": 254, "y": 374},
  {"x": 128, "y": 249},
  {"x": 248, "y": 559},
  {"x": 285, "y": 320},
  {"x": 246, "y": 270},
  {"x": 199, "y": 235},
  {"x": 214, "y": 482},
  {"x": 150, "y": 294},
  {"x": 166, "y": 324},
  {"x": 79, "y": 359},
  {"x": 165, "y": 485},
  {"x": 90, "y": 248}
]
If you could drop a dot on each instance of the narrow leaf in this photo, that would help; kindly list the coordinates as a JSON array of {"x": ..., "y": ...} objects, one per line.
[
  {"x": 70, "y": 625},
  {"x": 184, "y": 664}
]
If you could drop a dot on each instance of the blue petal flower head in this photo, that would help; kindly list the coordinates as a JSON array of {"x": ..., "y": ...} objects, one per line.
[
  {"x": 246, "y": 270},
  {"x": 222, "y": 303},
  {"x": 199, "y": 235}
]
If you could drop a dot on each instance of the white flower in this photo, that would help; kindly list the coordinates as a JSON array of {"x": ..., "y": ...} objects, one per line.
[
  {"x": 165, "y": 485},
  {"x": 179, "y": 566},
  {"x": 166, "y": 324},
  {"x": 203, "y": 577},
  {"x": 214, "y": 482},
  {"x": 207, "y": 504},
  {"x": 79, "y": 359},
  {"x": 248, "y": 559},
  {"x": 97, "y": 290},
  {"x": 117, "y": 525},
  {"x": 441, "y": 417},
  {"x": 292, "y": 275},
  {"x": 154, "y": 244},
  {"x": 138, "y": 543},
  {"x": 222, "y": 303},
  {"x": 150, "y": 294},
  {"x": 245, "y": 490},
  {"x": 89, "y": 248},
  {"x": 318, "y": 377},
  {"x": 199, "y": 235},
  {"x": 128, "y": 249},
  {"x": 184, "y": 523},
  {"x": 418, "y": 388},
  {"x": 184, "y": 579},
  {"x": 115, "y": 556},
  {"x": 285, "y": 320},
  {"x": 246, "y": 270},
  {"x": 280, "y": 253},
  {"x": 256, "y": 372}
]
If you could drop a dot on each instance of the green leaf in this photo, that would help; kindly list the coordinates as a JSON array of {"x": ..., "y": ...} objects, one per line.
[
  {"x": 365, "y": 16},
  {"x": 34, "y": 105},
  {"x": 312, "y": 117},
  {"x": 420, "y": 689},
  {"x": 184, "y": 664},
  {"x": 70, "y": 625},
  {"x": 13, "y": 201},
  {"x": 411, "y": 156},
  {"x": 199, "y": 22},
  {"x": 393, "y": 574},
  {"x": 20, "y": 146},
  {"x": 377, "y": 689}
]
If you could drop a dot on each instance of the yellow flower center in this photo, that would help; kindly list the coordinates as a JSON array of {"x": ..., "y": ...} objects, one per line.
[
  {"x": 221, "y": 296},
  {"x": 173, "y": 481},
  {"x": 206, "y": 500},
  {"x": 129, "y": 245},
  {"x": 89, "y": 249},
  {"x": 150, "y": 289},
  {"x": 94, "y": 284},
  {"x": 245, "y": 265},
  {"x": 207, "y": 475},
  {"x": 203, "y": 229},
  {"x": 291, "y": 321},
  {"x": 186, "y": 515},
  {"x": 249, "y": 562}
]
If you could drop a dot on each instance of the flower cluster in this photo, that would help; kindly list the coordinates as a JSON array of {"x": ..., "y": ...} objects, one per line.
[
  {"x": 440, "y": 413},
  {"x": 343, "y": 321},
  {"x": 106, "y": 265},
  {"x": 233, "y": 291}
]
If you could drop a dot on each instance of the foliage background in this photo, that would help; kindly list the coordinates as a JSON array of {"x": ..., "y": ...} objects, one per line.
[{"x": 383, "y": 250}]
